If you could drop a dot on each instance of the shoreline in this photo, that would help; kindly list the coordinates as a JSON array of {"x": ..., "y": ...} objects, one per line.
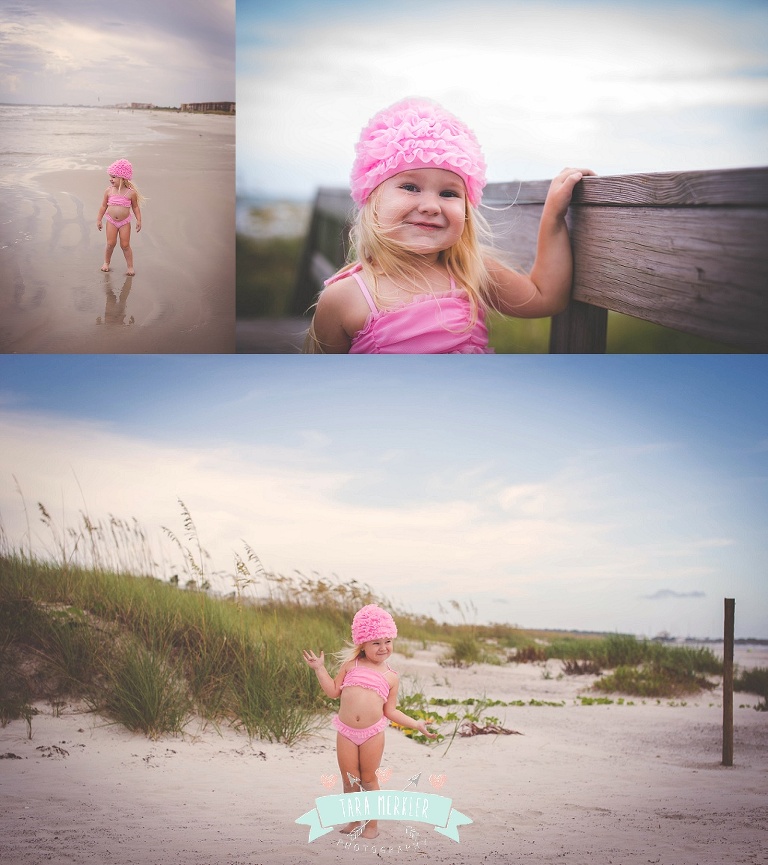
[
  {"x": 634, "y": 782},
  {"x": 55, "y": 299}
]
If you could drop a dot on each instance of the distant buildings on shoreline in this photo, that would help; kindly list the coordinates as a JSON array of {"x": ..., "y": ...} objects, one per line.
[
  {"x": 209, "y": 107},
  {"x": 195, "y": 107}
]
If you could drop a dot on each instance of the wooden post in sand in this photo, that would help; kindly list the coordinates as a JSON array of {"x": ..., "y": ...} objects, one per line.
[{"x": 730, "y": 603}]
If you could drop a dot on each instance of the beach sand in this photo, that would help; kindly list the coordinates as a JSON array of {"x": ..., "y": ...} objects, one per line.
[
  {"x": 598, "y": 784},
  {"x": 55, "y": 299}
]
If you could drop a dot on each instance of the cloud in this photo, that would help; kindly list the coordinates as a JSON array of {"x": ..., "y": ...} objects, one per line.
[
  {"x": 82, "y": 53},
  {"x": 295, "y": 509},
  {"x": 642, "y": 82},
  {"x": 666, "y": 594}
]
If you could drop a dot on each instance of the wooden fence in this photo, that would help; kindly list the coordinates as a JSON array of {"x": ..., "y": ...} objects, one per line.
[{"x": 685, "y": 250}]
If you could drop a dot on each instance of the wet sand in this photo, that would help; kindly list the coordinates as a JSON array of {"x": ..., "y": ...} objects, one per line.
[
  {"x": 54, "y": 297},
  {"x": 600, "y": 784}
]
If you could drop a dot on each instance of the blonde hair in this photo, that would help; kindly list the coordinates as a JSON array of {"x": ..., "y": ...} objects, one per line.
[
  {"x": 349, "y": 653},
  {"x": 140, "y": 199},
  {"x": 376, "y": 252}
]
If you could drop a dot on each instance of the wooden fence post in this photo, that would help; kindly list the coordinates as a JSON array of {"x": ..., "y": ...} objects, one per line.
[
  {"x": 728, "y": 682},
  {"x": 304, "y": 290},
  {"x": 580, "y": 329}
]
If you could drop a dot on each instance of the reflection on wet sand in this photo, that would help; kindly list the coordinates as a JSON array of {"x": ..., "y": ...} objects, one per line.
[{"x": 115, "y": 312}]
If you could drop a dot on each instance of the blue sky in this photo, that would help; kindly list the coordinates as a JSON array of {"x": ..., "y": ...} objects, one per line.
[
  {"x": 620, "y": 87},
  {"x": 609, "y": 493},
  {"x": 80, "y": 52}
]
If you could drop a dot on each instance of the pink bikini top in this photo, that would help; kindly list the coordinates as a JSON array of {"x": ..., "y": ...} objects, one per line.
[
  {"x": 429, "y": 324},
  {"x": 119, "y": 200},
  {"x": 364, "y": 677}
]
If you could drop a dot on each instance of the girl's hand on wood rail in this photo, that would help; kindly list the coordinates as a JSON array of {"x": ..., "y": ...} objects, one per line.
[{"x": 561, "y": 190}]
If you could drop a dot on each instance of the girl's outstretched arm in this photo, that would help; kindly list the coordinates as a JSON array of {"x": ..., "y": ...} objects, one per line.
[
  {"x": 396, "y": 716},
  {"x": 332, "y": 688},
  {"x": 546, "y": 290}
]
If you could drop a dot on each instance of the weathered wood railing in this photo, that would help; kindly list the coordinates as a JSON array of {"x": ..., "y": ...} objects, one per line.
[{"x": 686, "y": 250}]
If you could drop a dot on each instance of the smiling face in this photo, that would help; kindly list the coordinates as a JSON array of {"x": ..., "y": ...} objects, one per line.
[
  {"x": 424, "y": 209},
  {"x": 378, "y": 651}
]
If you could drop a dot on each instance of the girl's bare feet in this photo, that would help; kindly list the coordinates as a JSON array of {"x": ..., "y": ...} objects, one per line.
[
  {"x": 370, "y": 832},
  {"x": 105, "y": 268},
  {"x": 349, "y": 828},
  {"x": 130, "y": 272}
]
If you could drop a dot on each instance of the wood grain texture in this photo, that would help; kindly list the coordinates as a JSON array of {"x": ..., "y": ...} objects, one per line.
[
  {"x": 703, "y": 271},
  {"x": 745, "y": 187},
  {"x": 742, "y": 187},
  {"x": 515, "y": 192}
]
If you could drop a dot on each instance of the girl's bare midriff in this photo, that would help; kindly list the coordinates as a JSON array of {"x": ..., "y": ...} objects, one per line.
[
  {"x": 117, "y": 212},
  {"x": 360, "y": 707}
]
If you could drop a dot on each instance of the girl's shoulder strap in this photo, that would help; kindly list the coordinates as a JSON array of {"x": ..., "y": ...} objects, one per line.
[
  {"x": 344, "y": 273},
  {"x": 354, "y": 271},
  {"x": 364, "y": 289}
]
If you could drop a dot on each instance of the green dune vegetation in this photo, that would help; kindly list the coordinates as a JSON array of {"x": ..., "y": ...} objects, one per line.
[{"x": 153, "y": 654}]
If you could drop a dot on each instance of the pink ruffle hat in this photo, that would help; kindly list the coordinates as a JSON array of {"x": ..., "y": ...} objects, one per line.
[
  {"x": 121, "y": 168},
  {"x": 416, "y": 133},
  {"x": 372, "y": 623}
]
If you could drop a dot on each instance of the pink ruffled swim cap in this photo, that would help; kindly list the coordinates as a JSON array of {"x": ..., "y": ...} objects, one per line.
[
  {"x": 372, "y": 623},
  {"x": 121, "y": 168},
  {"x": 416, "y": 133}
]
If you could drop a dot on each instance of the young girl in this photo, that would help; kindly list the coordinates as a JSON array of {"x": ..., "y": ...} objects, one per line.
[
  {"x": 422, "y": 281},
  {"x": 368, "y": 690},
  {"x": 120, "y": 197}
]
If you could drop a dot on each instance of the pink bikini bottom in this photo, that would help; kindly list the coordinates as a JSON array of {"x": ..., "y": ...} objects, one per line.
[
  {"x": 122, "y": 221},
  {"x": 356, "y": 734}
]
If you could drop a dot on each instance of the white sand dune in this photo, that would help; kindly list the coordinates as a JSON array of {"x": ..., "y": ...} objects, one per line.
[{"x": 599, "y": 784}]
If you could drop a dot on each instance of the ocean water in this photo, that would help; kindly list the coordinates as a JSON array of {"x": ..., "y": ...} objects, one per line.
[{"x": 53, "y": 137}]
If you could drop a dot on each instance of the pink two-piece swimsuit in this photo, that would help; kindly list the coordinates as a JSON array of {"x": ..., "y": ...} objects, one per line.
[
  {"x": 429, "y": 324},
  {"x": 119, "y": 201},
  {"x": 363, "y": 677}
]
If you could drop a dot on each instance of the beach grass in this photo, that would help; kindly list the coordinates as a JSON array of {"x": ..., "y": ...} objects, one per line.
[
  {"x": 642, "y": 668},
  {"x": 267, "y": 270},
  {"x": 626, "y": 335},
  {"x": 754, "y": 681},
  {"x": 88, "y": 619}
]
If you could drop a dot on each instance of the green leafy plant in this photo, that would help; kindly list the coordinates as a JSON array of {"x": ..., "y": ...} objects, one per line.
[{"x": 754, "y": 681}]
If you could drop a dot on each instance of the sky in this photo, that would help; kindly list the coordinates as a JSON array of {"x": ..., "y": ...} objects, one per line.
[
  {"x": 81, "y": 52},
  {"x": 609, "y": 493},
  {"x": 619, "y": 87}
]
